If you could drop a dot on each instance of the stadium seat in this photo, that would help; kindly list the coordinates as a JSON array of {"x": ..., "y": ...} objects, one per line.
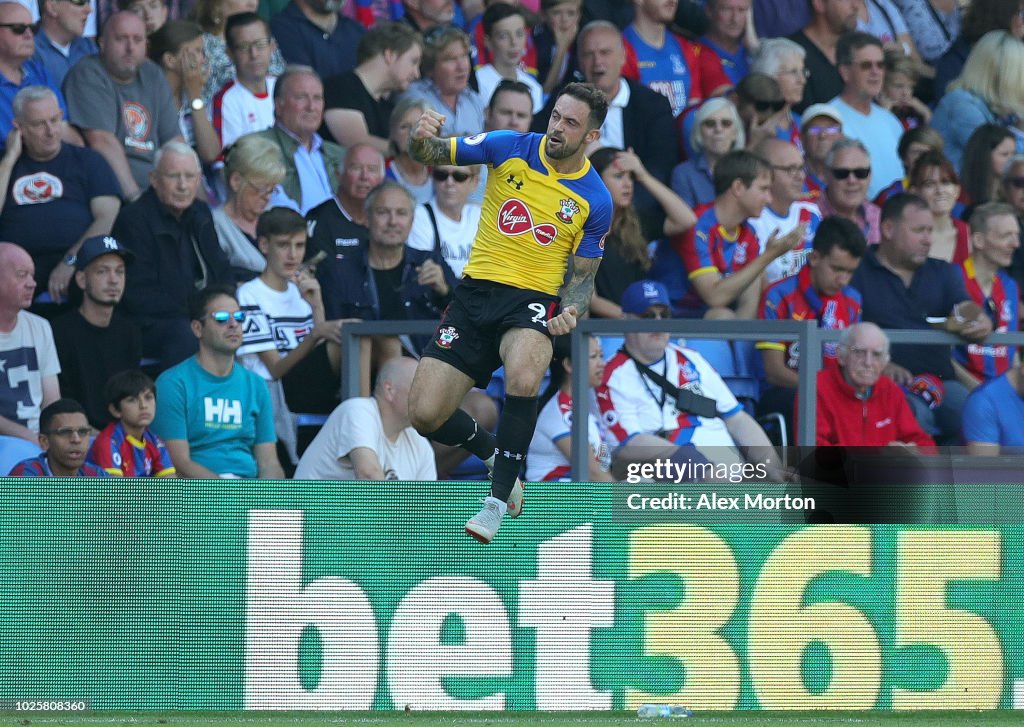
[{"x": 14, "y": 450}]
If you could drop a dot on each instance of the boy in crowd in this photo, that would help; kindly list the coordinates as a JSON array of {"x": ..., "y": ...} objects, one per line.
[{"x": 127, "y": 447}]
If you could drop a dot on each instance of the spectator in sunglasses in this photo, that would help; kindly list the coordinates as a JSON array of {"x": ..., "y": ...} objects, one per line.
[
  {"x": 762, "y": 107},
  {"x": 18, "y": 69},
  {"x": 215, "y": 416},
  {"x": 861, "y": 62},
  {"x": 59, "y": 41},
  {"x": 447, "y": 223},
  {"x": 847, "y": 175},
  {"x": 820, "y": 128}
]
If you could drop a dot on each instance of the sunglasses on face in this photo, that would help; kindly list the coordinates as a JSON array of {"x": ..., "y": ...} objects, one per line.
[
  {"x": 18, "y": 28},
  {"x": 79, "y": 3},
  {"x": 772, "y": 106},
  {"x": 868, "y": 65},
  {"x": 858, "y": 172},
  {"x": 715, "y": 123},
  {"x": 442, "y": 176},
  {"x": 655, "y": 315},
  {"x": 223, "y": 316}
]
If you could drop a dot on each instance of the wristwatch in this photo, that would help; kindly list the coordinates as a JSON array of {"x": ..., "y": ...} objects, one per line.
[
  {"x": 70, "y": 260},
  {"x": 198, "y": 104}
]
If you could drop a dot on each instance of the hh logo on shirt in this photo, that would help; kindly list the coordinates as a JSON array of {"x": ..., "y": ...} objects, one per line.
[{"x": 222, "y": 413}]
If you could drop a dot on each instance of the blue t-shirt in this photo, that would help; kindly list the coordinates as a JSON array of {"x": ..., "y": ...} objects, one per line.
[
  {"x": 33, "y": 73},
  {"x": 221, "y": 417},
  {"x": 994, "y": 414}
]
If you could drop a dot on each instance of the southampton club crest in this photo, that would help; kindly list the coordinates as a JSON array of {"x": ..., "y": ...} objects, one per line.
[
  {"x": 568, "y": 210},
  {"x": 446, "y": 337}
]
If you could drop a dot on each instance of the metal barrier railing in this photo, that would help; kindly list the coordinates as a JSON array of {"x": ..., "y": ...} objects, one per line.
[{"x": 806, "y": 333}]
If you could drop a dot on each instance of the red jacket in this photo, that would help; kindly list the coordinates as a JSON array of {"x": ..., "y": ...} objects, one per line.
[{"x": 884, "y": 417}]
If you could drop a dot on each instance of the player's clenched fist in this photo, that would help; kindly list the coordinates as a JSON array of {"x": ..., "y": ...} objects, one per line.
[
  {"x": 429, "y": 125},
  {"x": 564, "y": 322}
]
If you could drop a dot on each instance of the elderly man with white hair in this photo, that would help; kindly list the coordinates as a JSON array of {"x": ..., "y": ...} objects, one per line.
[
  {"x": 858, "y": 406},
  {"x": 176, "y": 253}
]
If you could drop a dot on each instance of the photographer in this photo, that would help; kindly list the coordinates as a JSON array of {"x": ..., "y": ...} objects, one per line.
[{"x": 662, "y": 402}]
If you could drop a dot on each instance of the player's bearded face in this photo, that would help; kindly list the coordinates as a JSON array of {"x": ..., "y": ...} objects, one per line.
[{"x": 567, "y": 128}]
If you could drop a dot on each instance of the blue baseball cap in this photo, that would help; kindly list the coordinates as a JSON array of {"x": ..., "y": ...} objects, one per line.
[
  {"x": 642, "y": 295},
  {"x": 98, "y": 246}
]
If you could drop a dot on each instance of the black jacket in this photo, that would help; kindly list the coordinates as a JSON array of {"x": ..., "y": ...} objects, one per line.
[
  {"x": 647, "y": 126},
  {"x": 172, "y": 256}
]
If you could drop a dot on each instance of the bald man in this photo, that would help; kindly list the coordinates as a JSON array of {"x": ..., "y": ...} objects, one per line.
[
  {"x": 122, "y": 104},
  {"x": 339, "y": 224},
  {"x": 370, "y": 438},
  {"x": 28, "y": 376}
]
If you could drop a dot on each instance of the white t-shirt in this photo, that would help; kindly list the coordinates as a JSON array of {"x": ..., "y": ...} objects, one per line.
[
  {"x": 488, "y": 78},
  {"x": 632, "y": 404},
  {"x": 545, "y": 461},
  {"x": 238, "y": 111},
  {"x": 356, "y": 423},
  {"x": 27, "y": 356},
  {"x": 274, "y": 320},
  {"x": 456, "y": 237},
  {"x": 768, "y": 222}
]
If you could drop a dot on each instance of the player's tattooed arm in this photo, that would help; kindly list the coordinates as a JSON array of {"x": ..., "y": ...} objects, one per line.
[
  {"x": 580, "y": 288},
  {"x": 431, "y": 151}
]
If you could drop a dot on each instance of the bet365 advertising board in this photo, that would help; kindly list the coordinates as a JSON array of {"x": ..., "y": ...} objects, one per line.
[{"x": 235, "y": 595}]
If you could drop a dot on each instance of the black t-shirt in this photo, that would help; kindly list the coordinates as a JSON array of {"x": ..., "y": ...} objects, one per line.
[
  {"x": 348, "y": 92},
  {"x": 616, "y": 272},
  {"x": 824, "y": 82},
  {"x": 332, "y": 232},
  {"x": 90, "y": 355},
  {"x": 389, "y": 292}
]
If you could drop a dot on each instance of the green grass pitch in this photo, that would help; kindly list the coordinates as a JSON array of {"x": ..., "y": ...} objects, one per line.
[{"x": 515, "y": 719}]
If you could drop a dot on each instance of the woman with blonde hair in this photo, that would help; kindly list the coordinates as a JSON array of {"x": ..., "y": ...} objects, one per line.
[
  {"x": 400, "y": 166},
  {"x": 717, "y": 130},
  {"x": 989, "y": 90},
  {"x": 627, "y": 247},
  {"x": 253, "y": 167}
]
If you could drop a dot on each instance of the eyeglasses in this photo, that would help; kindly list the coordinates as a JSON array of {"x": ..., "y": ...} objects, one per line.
[
  {"x": 868, "y": 65},
  {"x": 796, "y": 72},
  {"x": 442, "y": 176},
  {"x": 79, "y": 3},
  {"x": 68, "y": 432},
  {"x": 260, "y": 191},
  {"x": 819, "y": 130},
  {"x": 224, "y": 317},
  {"x": 1016, "y": 182},
  {"x": 866, "y": 353},
  {"x": 18, "y": 28},
  {"x": 716, "y": 123},
  {"x": 858, "y": 172},
  {"x": 261, "y": 44},
  {"x": 656, "y": 315},
  {"x": 793, "y": 169},
  {"x": 773, "y": 106}
]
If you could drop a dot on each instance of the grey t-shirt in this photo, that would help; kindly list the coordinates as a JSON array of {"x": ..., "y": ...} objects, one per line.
[{"x": 141, "y": 114}]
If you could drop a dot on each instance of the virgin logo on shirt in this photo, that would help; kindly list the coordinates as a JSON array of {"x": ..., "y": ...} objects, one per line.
[
  {"x": 514, "y": 219},
  {"x": 38, "y": 188},
  {"x": 137, "y": 121}
]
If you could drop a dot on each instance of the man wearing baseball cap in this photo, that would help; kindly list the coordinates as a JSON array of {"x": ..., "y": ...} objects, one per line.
[
  {"x": 663, "y": 402},
  {"x": 95, "y": 341},
  {"x": 821, "y": 126}
]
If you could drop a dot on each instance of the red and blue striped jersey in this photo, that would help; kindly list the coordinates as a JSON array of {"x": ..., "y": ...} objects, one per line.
[
  {"x": 794, "y": 299},
  {"x": 983, "y": 360},
  {"x": 683, "y": 72},
  {"x": 40, "y": 467},
  {"x": 708, "y": 247},
  {"x": 122, "y": 455}
]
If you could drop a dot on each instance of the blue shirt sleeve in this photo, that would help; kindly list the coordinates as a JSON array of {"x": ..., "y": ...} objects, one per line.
[
  {"x": 599, "y": 221},
  {"x": 265, "y": 408},
  {"x": 492, "y": 147},
  {"x": 980, "y": 417},
  {"x": 170, "y": 420}
]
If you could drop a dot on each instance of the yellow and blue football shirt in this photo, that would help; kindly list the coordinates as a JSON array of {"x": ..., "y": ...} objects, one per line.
[{"x": 533, "y": 218}]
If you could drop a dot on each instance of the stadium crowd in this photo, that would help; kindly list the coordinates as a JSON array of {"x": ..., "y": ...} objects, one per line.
[{"x": 199, "y": 196}]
